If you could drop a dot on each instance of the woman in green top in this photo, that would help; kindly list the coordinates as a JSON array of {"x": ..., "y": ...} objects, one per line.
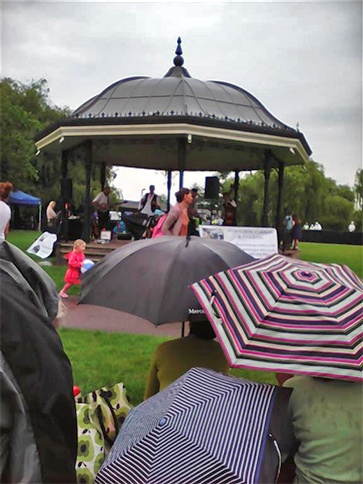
[
  {"x": 327, "y": 423},
  {"x": 175, "y": 357}
]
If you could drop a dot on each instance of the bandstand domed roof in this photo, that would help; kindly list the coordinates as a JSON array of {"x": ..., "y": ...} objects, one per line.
[
  {"x": 177, "y": 93},
  {"x": 177, "y": 122}
]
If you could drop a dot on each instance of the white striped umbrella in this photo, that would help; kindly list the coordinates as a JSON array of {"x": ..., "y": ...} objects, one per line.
[
  {"x": 290, "y": 316},
  {"x": 205, "y": 428}
]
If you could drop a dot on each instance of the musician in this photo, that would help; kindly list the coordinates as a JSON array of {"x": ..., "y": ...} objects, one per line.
[
  {"x": 229, "y": 208},
  {"x": 102, "y": 203},
  {"x": 149, "y": 203}
]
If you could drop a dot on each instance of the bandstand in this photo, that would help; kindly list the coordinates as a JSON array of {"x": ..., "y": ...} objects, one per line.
[{"x": 176, "y": 123}]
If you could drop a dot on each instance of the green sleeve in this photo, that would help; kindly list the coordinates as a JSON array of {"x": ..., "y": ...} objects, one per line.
[{"x": 152, "y": 384}]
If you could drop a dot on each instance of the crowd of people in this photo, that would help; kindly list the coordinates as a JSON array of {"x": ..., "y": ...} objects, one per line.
[{"x": 38, "y": 419}]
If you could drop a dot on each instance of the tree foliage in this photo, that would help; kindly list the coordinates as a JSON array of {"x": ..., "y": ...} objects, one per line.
[
  {"x": 306, "y": 192},
  {"x": 25, "y": 111}
]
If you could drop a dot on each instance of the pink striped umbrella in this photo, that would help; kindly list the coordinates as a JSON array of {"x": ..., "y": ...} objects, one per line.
[{"x": 288, "y": 316}]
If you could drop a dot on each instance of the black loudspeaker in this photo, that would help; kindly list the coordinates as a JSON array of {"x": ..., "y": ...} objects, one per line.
[
  {"x": 66, "y": 189},
  {"x": 211, "y": 191}
]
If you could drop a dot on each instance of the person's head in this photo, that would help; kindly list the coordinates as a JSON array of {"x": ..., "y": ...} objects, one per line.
[
  {"x": 202, "y": 330},
  {"x": 106, "y": 191},
  {"x": 52, "y": 204},
  {"x": 79, "y": 245},
  {"x": 184, "y": 194},
  {"x": 194, "y": 192},
  {"x": 5, "y": 189},
  {"x": 200, "y": 327},
  {"x": 152, "y": 188}
]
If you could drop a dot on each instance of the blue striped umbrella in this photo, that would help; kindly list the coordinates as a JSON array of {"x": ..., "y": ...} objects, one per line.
[
  {"x": 290, "y": 316},
  {"x": 205, "y": 428}
]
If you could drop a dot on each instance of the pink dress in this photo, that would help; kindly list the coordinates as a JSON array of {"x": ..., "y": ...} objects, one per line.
[{"x": 75, "y": 260}]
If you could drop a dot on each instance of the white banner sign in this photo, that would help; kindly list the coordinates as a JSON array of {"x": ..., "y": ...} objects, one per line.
[
  {"x": 43, "y": 246},
  {"x": 256, "y": 241}
]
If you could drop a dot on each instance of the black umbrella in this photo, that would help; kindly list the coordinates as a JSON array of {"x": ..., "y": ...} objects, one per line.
[
  {"x": 40, "y": 283},
  {"x": 136, "y": 224},
  {"x": 33, "y": 351},
  {"x": 150, "y": 278}
]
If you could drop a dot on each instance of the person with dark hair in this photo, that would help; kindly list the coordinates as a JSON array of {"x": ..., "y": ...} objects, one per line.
[
  {"x": 102, "y": 203},
  {"x": 296, "y": 232},
  {"x": 229, "y": 207},
  {"x": 149, "y": 202},
  {"x": 193, "y": 214},
  {"x": 177, "y": 220},
  {"x": 288, "y": 225},
  {"x": 175, "y": 357}
]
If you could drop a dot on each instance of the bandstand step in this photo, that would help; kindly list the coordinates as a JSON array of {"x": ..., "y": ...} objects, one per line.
[{"x": 94, "y": 250}]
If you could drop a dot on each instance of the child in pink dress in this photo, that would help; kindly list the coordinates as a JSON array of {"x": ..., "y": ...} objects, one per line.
[{"x": 75, "y": 261}]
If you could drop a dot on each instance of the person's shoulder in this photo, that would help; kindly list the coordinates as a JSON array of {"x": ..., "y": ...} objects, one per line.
[
  {"x": 169, "y": 345},
  {"x": 298, "y": 381},
  {"x": 175, "y": 209}
]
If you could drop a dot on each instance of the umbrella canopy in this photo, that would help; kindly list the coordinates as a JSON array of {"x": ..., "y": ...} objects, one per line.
[
  {"x": 205, "y": 428},
  {"x": 33, "y": 351},
  {"x": 33, "y": 276},
  {"x": 289, "y": 316},
  {"x": 150, "y": 278}
]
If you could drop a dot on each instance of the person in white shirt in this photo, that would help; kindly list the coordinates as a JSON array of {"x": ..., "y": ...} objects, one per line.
[
  {"x": 351, "y": 226},
  {"x": 102, "y": 204},
  {"x": 51, "y": 214},
  {"x": 149, "y": 202},
  {"x": 5, "y": 212}
]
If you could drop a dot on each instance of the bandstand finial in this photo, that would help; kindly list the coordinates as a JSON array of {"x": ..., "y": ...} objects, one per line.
[{"x": 178, "y": 59}]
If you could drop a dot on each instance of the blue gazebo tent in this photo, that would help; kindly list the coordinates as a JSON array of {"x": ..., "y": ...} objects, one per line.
[{"x": 18, "y": 197}]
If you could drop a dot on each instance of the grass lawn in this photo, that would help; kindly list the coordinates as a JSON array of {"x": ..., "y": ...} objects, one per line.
[
  {"x": 100, "y": 358},
  {"x": 350, "y": 255}
]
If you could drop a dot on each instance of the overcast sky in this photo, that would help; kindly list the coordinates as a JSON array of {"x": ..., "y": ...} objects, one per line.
[{"x": 302, "y": 60}]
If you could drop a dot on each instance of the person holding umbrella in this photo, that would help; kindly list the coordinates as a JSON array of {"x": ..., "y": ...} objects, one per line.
[
  {"x": 304, "y": 320},
  {"x": 174, "y": 358}
]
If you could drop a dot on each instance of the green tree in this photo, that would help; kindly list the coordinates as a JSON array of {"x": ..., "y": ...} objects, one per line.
[
  {"x": 25, "y": 110},
  {"x": 358, "y": 189},
  {"x": 338, "y": 215}
]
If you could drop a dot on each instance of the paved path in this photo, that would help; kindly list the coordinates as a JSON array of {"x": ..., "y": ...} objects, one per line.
[{"x": 86, "y": 316}]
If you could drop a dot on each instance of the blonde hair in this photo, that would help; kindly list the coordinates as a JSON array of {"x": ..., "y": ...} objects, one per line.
[
  {"x": 78, "y": 243},
  {"x": 5, "y": 189}
]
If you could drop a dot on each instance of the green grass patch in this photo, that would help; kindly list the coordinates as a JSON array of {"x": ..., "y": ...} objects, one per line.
[
  {"x": 100, "y": 359},
  {"x": 350, "y": 255}
]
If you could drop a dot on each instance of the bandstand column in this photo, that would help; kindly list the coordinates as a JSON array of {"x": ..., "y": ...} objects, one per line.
[
  {"x": 103, "y": 175},
  {"x": 168, "y": 189},
  {"x": 181, "y": 160},
  {"x": 280, "y": 185},
  {"x": 88, "y": 201},
  {"x": 236, "y": 187},
  {"x": 266, "y": 200}
]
